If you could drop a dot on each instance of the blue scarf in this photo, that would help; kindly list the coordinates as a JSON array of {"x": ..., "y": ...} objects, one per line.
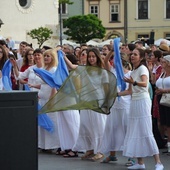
[
  {"x": 118, "y": 65},
  {"x": 56, "y": 79},
  {"x": 6, "y": 75},
  {"x": 43, "y": 119}
]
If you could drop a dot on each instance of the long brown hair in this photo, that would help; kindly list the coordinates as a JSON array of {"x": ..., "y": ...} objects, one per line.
[
  {"x": 98, "y": 56},
  {"x": 4, "y": 57},
  {"x": 25, "y": 57},
  {"x": 142, "y": 57}
]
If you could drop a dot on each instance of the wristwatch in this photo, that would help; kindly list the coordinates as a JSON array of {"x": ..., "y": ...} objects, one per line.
[{"x": 135, "y": 83}]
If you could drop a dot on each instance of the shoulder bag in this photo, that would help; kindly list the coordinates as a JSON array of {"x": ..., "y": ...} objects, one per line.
[{"x": 165, "y": 99}]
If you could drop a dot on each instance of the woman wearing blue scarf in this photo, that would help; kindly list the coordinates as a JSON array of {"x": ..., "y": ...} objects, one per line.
[
  {"x": 116, "y": 123},
  {"x": 48, "y": 141}
]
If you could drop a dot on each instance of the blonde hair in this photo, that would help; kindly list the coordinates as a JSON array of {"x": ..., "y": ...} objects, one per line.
[{"x": 54, "y": 57}]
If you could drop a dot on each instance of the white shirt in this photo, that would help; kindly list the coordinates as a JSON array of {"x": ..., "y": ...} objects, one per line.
[{"x": 137, "y": 91}]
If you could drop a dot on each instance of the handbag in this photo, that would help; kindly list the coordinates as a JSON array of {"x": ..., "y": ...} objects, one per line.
[{"x": 165, "y": 99}]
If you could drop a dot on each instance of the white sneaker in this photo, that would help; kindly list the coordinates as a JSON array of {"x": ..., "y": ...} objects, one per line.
[
  {"x": 137, "y": 166},
  {"x": 159, "y": 166}
]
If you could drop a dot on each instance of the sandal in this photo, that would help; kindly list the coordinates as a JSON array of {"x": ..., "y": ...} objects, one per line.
[
  {"x": 87, "y": 155},
  {"x": 130, "y": 162},
  {"x": 96, "y": 157},
  {"x": 109, "y": 158},
  {"x": 70, "y": 154},
  {"x": 47, "y": 150},
  {"x": 60, "y": 152}
]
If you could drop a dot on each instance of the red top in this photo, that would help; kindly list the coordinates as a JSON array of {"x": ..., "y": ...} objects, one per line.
[{"x": 23, "y": 68}]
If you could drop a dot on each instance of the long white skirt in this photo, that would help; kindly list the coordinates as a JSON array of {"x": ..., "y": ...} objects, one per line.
[
  {"x": 92, "y": 126},
  {"x": 139, "y": 140},
  {"x": 115, "y": 130},
  {"x": 46, "y": 139},
  {"x": 68, "y": 123}
]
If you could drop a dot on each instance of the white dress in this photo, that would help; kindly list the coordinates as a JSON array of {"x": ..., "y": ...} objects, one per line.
[
  {"x": 32, "y": 77},
  {"x": 46, "y": 139},
  {"x": 68, "y": 123},
  {"x": 139, "y": 140},
  {"x": 92, "y": 125},
  {"x": 116, "y": 123}
]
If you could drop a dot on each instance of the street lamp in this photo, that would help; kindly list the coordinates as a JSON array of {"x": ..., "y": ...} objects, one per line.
[
  {"x": 1, "y": 23},
  {"x": 60, "y": 21}
]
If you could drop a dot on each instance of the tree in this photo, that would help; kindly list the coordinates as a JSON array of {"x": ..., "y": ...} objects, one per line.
[
  {"x": 42, "y": 34},
  {"x": 82, "y": 28},
  {"x": 65, "y": 1}
]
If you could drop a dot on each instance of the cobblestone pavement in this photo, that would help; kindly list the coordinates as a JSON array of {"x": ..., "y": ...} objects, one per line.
[{"x": 55, "y": 162}]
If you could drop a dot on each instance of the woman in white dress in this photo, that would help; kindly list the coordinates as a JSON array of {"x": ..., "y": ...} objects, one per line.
[
  {"x": 139, "y": 141},
  {"x": 92, "y": 124},
  {"x": 163, "y": 88},
  {"x": 48, "y": 141},
  {"x": 33, "y": 79},
  {"x": 116, "y": 123}
]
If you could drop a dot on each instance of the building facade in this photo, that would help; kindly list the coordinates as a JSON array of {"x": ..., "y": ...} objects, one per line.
[
  {"x": 19, "y": 17},
  {"x": 132, "y": 19},
  {"x": 110, "y": 12},
  {"x": 128, "y": 19},
  {"x": 148, "y": 16}
]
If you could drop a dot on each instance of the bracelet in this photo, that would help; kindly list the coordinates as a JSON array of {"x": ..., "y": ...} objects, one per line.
[
  {"x": 135, "y": 83},
  {"x": 117, "y": 94}
]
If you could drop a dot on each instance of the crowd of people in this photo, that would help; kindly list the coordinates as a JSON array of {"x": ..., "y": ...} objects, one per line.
[{"x": 129, "y": 126}]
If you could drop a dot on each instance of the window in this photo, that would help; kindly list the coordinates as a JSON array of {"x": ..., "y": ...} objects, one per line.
[
  {"x": 25, "y": 6},
  {"x": 114, "y": 12},
  {"x": 168, "y": 9},
  {"x": 94, "y": 10},
  {"x": 142, "y": 9},
  {"x": 63, "y": 7},
  {"x": 24, "y": 3},
  {"x": 142, "y": 36},
  {"x": 167, "y": 36}
]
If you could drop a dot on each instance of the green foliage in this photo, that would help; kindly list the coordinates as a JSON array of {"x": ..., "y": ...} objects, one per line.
[
  {"x": 42, "y": 34},
  {"x": 65, "y": 1},
  {"x": 82, "y": 28}
]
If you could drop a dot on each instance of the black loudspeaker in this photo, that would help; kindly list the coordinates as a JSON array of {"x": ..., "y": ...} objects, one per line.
[
  {"x": 152, "y": 37},
  {"x": 18, "y": 131}
]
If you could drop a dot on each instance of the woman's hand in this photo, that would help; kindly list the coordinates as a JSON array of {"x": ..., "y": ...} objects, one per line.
[
  {"x": 13, "y": 62},
  {"x": 160, "y": 91},
  {"x": 129, "y": 80},
  {"x": 30, "y": 85}
]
